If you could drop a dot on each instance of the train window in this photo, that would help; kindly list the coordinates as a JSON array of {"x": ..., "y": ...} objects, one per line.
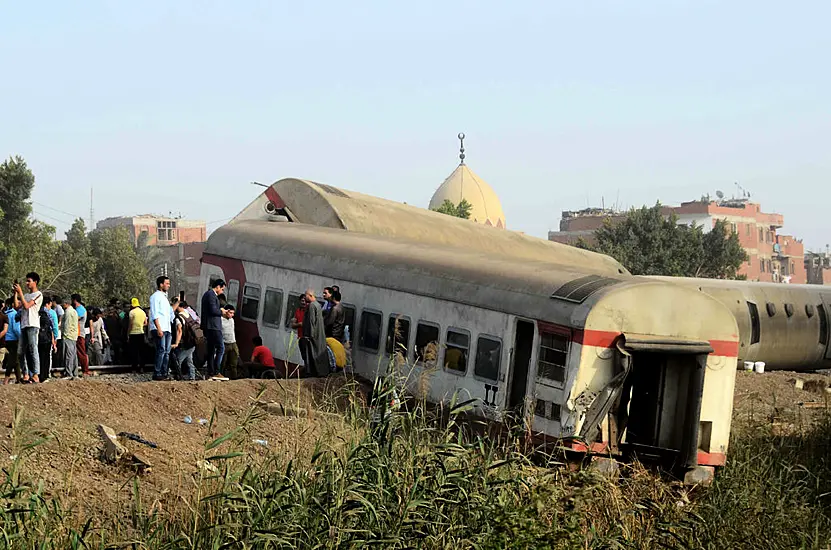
[
  {"x": 809, "y": 310},
  {"x": 273, "y": 307},
  {"x": 349, "y": 317},
  {"x": 755, "y": 329},
  {"x": 292, "y": 303},
  {"x": 426, "y": 343},
  {"x": 488, "y": 352},
  {"x": 232, "y": 293},
  {"x": 398, "y": 335},
  {"x": 789, "y": 310},
  {"x": 547, "y": 409},
  {"x": 553, "y": 355},
  {"x": 771, "y": 307},
  {"x": 823, "y": 325},
  {"x": 456, "y": 350},
  {"x": 250, "y": 302},
  {"x": 370, "y": 337}
]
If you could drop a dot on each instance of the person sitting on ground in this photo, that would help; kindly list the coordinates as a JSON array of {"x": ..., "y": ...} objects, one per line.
[{"x": 261, "y": 359}]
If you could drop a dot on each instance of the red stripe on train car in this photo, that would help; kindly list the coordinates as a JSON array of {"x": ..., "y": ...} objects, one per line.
[
  {"x": 272, "y": 195},
  {"x": 606, "y": 339},
  {"x": 711, "y": 459}
]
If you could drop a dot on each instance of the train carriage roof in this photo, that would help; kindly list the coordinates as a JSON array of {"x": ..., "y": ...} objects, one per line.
[
  {"x": 529, "y": 287},
  {"x": 322, "y": 205}
]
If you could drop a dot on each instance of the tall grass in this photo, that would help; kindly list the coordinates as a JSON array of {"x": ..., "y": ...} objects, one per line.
[{"x": 419, "y": 478}]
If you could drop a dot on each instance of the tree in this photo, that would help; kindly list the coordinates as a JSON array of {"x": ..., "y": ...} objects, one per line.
[
  {"x": 119, "y": 272},
  {"x": 16, "y": 184},
  {"x": 32, "y": 248},
  {"x": 647, "y": 242},
  {"x": 461, "y": 210},
  {"x": 75, "y": 254}
]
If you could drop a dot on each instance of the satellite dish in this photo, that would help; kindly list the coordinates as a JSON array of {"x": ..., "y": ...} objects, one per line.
[{"x": 719, "y": 194}]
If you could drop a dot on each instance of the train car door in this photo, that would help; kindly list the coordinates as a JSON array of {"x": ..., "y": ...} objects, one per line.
[
  {"x": 522, "y": 352},
  {"x": 824, "y": 313}
]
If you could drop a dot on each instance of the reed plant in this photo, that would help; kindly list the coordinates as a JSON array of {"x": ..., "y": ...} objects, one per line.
[{"x": 419, "y": 477}]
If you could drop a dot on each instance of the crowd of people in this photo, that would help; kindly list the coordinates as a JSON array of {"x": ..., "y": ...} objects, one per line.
[{"x": 41, "y": 335}]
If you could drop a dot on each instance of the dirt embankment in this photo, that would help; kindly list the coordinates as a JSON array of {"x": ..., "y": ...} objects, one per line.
[{"x": 68, "y": 413}]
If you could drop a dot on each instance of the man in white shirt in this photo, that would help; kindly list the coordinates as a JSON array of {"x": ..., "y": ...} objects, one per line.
[
  {"x": 161, "y": 316},
  {"x": 230, "y": 360},
  {"x": 30, "y": 324}
]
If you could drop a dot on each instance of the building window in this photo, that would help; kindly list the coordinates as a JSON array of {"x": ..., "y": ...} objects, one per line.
[
  {"x": 761, "y": 265},
  {"x": 761, "y": 234},
  {"x": 747, "y": 229},
  {"x": 733, "y": 228},
  {"x": 426, "y": 343},
  {"x": 250, "y": 302},
  {"x": 370, "y": 337},
  {"x": 273, "y": 307},
  {"x": 488, "y": 351},
  {"x": 456, "y": 350},
  {"x": 770, "y": 270},
  {"x": 398, "y": 335},
  {"x": 166, "y": 231},
  {"x": 553, "y": 354}
]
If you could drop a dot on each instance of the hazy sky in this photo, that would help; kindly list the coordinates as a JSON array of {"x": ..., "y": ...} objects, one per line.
[{"x": 177, "y": 105}]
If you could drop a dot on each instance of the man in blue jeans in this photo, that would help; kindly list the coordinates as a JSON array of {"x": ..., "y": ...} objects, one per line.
[
  {"x": 30, "y": 325},
  {"x": 161, "y": 315},
  {"x": 211, "y": 321}
]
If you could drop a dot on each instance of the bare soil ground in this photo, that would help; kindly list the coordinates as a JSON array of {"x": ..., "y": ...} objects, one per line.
[
  {"x": 71, "y": 462},
  {"x": 72, "y": 466}
]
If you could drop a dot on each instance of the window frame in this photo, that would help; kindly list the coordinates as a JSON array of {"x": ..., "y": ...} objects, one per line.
[
  {"x": 492, "y": 338},
  {"x": 265, "y": 302},
  {"x": 290, "y": 311},
  {"x": 458, "y": 330},
  {"x": 232, "y": 283},
  {"x": 393, "y": 316},
  {"x": 347, "y": 307},
  {"x": 420, "y": 362},
  {"x": 562, "y": 333},
  {"x": 259, "y": 301},
  {"x": 361, "y": 344},
  {"x": 755, "y": 322}
]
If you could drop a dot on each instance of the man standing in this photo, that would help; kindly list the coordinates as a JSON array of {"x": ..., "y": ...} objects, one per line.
[
  {"x": 30, "y": 323},
  {"x": 334, "y": 319},
  {"x": 81, "y": 340},
  {"x": 12, "y": 362},
  {"x": 4, "y": 329},
  {"x": 184, "y": 341},
  {"x": 69, "y": 327},
  {"x": 99, "y": 339},
  {"x": 230, "y": 358},
  {"x": 135, "y": 334},
  {"x": 47, "y": 339},
  {"x": 161, "y": 315},
  {"x": 212, "y": 326},
  {"x": 314, "y": 336}
]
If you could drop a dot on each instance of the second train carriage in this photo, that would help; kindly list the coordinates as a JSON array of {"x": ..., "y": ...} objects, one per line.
[{"x": 621, "y": 364}]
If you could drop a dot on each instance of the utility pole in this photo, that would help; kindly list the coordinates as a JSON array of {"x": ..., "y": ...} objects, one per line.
[{"x": 91, "y": 211}]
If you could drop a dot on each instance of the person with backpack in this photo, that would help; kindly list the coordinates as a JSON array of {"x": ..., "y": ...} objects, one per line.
[
  {"x": 187, "y": 334},
  {"x": 47, "y": 343}
]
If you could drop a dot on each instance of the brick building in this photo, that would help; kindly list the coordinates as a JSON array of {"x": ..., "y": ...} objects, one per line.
[
  {"x": 772, "y": 257},
  {"x": 160, "y": 230},
  {"x": 818, "y": 268}
]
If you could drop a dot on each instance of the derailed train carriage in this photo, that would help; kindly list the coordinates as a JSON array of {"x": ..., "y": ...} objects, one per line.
[{"x": 609, "y": 362}]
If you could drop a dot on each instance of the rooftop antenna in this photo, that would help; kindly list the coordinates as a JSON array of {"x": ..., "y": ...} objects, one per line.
[
  {"x": 461, "y": 137},
  {"x": 91, "y": 211}
]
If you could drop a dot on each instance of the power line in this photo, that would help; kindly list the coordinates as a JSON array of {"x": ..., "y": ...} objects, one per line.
[
  {"x": 73, "y": 216},
  {"x": 40, "y": 215}
]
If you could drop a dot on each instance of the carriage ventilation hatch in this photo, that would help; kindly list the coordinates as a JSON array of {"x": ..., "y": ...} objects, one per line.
[
  {"x": 579, "y": 289},
  {"x": 332, "y": 190}
]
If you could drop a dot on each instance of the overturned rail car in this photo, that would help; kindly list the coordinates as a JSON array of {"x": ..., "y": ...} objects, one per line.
[{"x": 609, "y": 362}]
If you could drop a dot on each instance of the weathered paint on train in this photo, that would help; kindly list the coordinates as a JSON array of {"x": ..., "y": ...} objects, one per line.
[
  {"x": 786, "y": 326},
  {"x": 577, "y": 352}
]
